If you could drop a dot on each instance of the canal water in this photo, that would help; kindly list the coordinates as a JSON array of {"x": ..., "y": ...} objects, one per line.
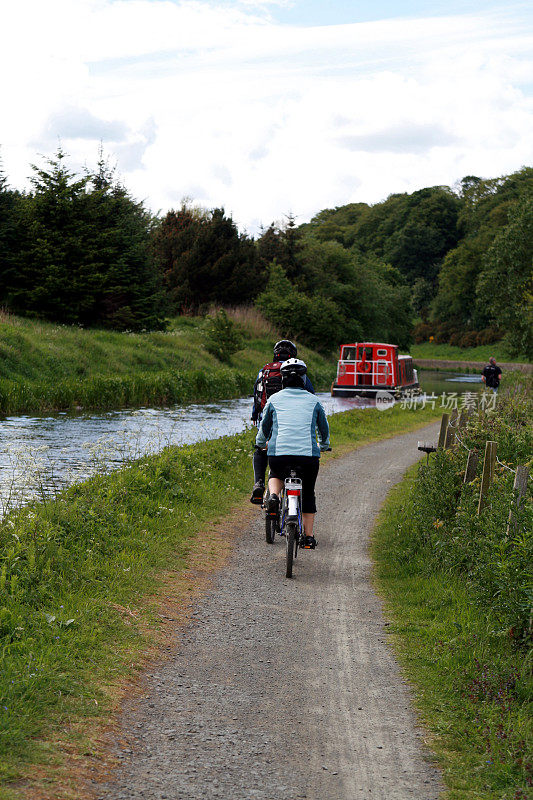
[{"x": 42, "y": 454}]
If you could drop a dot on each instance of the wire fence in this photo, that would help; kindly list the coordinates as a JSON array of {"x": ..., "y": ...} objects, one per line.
[{"x": 449, "y": 437}]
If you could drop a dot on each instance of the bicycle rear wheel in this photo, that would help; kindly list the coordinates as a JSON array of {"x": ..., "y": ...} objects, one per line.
[{"x": 290, "y": 541}]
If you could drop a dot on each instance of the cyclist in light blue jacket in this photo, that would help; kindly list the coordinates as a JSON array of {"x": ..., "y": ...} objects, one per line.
[{"x": 295, "y": 426}]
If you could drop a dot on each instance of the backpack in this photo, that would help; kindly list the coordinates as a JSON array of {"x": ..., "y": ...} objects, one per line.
[{"x": 269, "y": 382}]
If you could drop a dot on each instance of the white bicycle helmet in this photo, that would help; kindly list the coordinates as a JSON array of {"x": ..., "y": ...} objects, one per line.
[{"x": 293, "y": 366}]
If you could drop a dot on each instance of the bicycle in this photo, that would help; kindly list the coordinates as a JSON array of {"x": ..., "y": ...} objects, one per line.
[{"x": 288, "y": 520}]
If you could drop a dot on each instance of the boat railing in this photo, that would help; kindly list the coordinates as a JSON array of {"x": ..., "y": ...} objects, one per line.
[{"x": 374, "y": 373}]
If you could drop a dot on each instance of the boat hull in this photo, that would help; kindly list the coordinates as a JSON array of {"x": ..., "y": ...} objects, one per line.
[{"x": 370, "y": 391}]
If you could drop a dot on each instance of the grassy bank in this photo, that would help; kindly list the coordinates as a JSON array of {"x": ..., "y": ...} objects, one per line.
[
  {"x": 79, "y": 575},
  {"x": 449, "y": 353},
  {"x": 458, "y": 590},
  {"x": 472, "y": 685},
  {"x": 46, "y": 367}
]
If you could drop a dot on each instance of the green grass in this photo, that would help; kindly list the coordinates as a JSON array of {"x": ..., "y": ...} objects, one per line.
[
  {"x": 449, "y": 353},
  {"x": 45, "y": 367},
  {"x": 68, "y": 566},
  {"x": 354, "y": 428},
  {"x": 472, "y": 685}
]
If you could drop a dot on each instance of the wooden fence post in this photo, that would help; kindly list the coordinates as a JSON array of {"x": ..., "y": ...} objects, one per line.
[
  {"x": 461, "y": 422},
  {"x": 450, "y": 431},
  {"x": 519, "y": 490},
  {"x": 488, "y": 473},
  {"x": 471, "y": 466},
  {"x": 443, "y": 430}
]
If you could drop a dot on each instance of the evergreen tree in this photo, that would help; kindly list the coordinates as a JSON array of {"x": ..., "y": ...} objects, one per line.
[
  {"x": 11, "y": 233},
  {"x": 130, "y": 291},
  {"x": 87, "y": 256},
  {"x": 47, "y": 284},
  {"x": 173, "y": 242},
  {"x": 282, "y": 244},
  {"x": 205, "y": 260}
]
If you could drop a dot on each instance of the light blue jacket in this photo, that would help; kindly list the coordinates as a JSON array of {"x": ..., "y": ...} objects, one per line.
[{"x": 293, "y": 421}]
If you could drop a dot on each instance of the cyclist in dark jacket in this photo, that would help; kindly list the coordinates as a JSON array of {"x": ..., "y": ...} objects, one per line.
[{"x": 283, "y": 350}]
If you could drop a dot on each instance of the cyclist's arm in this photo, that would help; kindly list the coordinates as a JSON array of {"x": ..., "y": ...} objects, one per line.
[
  {"x": 256, "y": 408},
  {"x": 265, "y": 429},
  {"x": 309, "y": 386},
  {"x": 323, "y": 428}
]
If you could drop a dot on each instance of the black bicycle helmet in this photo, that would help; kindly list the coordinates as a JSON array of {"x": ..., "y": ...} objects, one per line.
[{"x": 284, "y": 349}]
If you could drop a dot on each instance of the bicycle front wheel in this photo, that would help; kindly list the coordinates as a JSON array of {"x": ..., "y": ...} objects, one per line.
[{"x": 290, "y": 540}]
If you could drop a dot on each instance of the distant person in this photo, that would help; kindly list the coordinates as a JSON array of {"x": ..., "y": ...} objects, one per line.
[
  {"x": 267, "y": 383},
  {"x": 491, "y": 375}
]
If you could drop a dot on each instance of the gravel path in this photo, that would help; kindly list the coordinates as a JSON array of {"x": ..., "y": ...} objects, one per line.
[{"x": 286, "y": 688}]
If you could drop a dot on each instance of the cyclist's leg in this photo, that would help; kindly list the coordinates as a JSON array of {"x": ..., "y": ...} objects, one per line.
[
  {"x": 309, "y": 522},
  {"x": 309, "y": 472},
  {"x": 260, "y": 462},
  {"x": 278, "y": 472},
  {"x": 275, "y": 485}
]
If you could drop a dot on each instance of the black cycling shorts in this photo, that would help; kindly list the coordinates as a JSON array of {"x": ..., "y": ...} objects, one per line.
[{"x": 306, "y": 468}]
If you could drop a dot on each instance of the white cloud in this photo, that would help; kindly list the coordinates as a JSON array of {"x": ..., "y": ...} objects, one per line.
[
  {"x": 216, "y": 101},
  {"x": 78, "y": 123}
]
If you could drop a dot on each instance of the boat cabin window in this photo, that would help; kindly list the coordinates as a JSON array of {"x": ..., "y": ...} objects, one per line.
[
  {"x": 348, "y": 353},
  {"x": 367, "y": 351},
  {"x": 381, "y": 352}
]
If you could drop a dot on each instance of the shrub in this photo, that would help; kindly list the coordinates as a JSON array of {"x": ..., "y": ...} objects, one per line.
[
  {"x": 443, "y": 331},
  {"x": 222, "y": 336},
  {"x": 488, "y": 336},
  {"x": 422, "y": 332},
  {"x": 468, "y": 339}
]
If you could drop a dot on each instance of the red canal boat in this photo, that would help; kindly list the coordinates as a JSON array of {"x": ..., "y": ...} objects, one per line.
[{"x": 365, "y": 368}]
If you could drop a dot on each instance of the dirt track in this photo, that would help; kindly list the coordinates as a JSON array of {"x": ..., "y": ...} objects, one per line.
[{"x": 287, "y": 689}]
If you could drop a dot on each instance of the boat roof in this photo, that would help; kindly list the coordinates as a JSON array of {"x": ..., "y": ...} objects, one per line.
[{"x": 368, "y": 344}]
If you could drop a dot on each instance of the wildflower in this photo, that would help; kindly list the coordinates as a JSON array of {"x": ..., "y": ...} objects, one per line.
[{"x": 438, "y": 523}]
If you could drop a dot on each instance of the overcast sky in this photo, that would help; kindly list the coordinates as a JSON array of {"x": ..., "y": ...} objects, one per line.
[{"x": 269, "y": 107}]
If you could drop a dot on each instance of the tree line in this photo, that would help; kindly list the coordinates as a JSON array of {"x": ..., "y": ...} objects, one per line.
[
  {"x": 78, "y": 249},
  {"x": 466, "y": 254}
]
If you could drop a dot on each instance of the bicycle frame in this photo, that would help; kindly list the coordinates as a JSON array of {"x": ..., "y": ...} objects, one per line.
[{"x": 292, "y": 504}]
